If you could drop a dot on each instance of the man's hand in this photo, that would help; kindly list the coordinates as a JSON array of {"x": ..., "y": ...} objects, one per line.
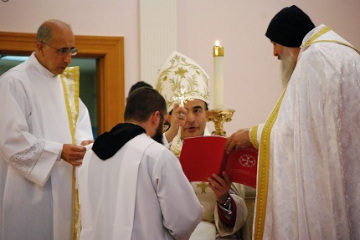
[
  {"x": 220, "y": 186},
  {"x": 239, "y": 139},
  {"x": 86, "y": 142},
  {"x": 73, "y": 154},
  {"x": 176, "y": 119}
]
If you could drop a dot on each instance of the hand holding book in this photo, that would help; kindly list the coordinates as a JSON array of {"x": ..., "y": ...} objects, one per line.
[
  {"x": 202, "y": 156},
  {"x": 220, "y": 184}
]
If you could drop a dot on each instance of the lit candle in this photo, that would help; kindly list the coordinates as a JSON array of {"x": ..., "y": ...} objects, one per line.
[{"x": 218, "y": 52}]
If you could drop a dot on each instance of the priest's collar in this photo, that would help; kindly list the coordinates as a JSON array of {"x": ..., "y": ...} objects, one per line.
[{"x": 43, "y": 70}]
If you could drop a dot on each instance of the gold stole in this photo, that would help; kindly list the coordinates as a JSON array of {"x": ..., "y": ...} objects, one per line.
[
  {"x": 264, "y": 156},
  {"x": 324, "y": 30},
  {"x": 263, "y": 171},
  {"x": 253, "y": 137},
  {"x": 70, "y": 82}
]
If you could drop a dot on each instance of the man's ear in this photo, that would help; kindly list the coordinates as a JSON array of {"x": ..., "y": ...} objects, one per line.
[
  {"x": 207, "y": 115},
  {"x": 39, "y": 47},
  {"x": 155, "y": 117}
]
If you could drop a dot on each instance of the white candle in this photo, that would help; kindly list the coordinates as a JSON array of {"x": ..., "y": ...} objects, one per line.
[{"x": 218, "y": 53}]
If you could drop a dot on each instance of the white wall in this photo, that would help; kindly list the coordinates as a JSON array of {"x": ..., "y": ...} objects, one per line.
[{"x": 251, "y": 73}]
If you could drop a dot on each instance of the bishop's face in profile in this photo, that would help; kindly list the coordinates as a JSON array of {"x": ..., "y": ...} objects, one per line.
[{"x": 196, "y": 117}]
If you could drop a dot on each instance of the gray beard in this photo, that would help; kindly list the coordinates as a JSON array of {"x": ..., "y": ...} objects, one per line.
[
  {"x": 287, "y": 68},
  {"x": 288, "y": 63}
]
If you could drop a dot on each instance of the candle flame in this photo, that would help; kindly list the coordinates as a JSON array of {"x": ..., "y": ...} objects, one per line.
[{"x": 217, "y": 43}]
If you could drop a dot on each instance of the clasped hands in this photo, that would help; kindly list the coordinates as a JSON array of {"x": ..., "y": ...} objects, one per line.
[{"x": 74, "y": 154}]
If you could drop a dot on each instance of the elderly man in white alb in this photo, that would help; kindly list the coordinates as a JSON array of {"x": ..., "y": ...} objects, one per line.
[
  {"x": 184, "y": 85},
  {"x": 43, "y": 122}
]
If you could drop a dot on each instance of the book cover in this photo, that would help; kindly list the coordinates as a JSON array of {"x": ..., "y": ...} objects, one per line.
[{"x": 204, "y": 155}]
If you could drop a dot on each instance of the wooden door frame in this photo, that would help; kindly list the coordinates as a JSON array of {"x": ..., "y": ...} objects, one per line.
[{"x": 109, "y": 52}]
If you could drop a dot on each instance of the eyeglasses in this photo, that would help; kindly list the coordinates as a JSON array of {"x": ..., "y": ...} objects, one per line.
[
  {"x": 165, "y": 123},
  {"x": 166, "y": 126},
  {"x": 64, "y": 51}
]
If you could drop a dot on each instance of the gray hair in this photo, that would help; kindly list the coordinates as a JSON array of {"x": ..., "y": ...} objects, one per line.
[{"x": 44, "y": 33}]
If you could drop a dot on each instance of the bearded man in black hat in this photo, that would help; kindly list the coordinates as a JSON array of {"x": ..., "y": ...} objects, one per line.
[{"x": 309, "y": 147}]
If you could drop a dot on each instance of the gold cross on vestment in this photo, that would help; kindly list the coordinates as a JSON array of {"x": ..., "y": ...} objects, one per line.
[
  {"x": 203, "y": 186},
  {"x": 181, "y": 98}
]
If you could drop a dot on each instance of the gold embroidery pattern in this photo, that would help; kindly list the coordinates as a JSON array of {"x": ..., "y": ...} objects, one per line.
[
  {"x": 70, "y": 83},
  {"x": 181, "y": 79}
]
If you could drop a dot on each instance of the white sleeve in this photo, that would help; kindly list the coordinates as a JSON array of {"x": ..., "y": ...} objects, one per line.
[
  {"x": 180, "y": 207},
  {"x": 83, "y": 125},
  {"x": 255, "y": 135},
  {"x": 32, "y": 157},
  {"x": 259, "y": 131}
]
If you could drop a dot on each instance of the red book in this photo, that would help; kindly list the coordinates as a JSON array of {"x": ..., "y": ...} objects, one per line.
[{"x": 202, "y": 156}]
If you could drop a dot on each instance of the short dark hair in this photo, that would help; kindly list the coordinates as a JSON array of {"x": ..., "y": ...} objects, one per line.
[
  {"x": 139, "y": 84},
  {"x": 143, "y": 102}
]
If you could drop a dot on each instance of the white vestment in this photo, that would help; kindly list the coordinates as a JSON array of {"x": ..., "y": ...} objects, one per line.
[
  {"x": 314, "y": 156},
  {"x": 35, "y": 184},
  {"x": 139, "y": 193}
]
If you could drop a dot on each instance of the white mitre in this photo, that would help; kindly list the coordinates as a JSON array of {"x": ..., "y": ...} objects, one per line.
[{"x": 180, "y": 79}]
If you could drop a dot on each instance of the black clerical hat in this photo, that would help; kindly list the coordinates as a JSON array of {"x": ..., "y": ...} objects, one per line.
[{"x": 289, "y": 26}]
